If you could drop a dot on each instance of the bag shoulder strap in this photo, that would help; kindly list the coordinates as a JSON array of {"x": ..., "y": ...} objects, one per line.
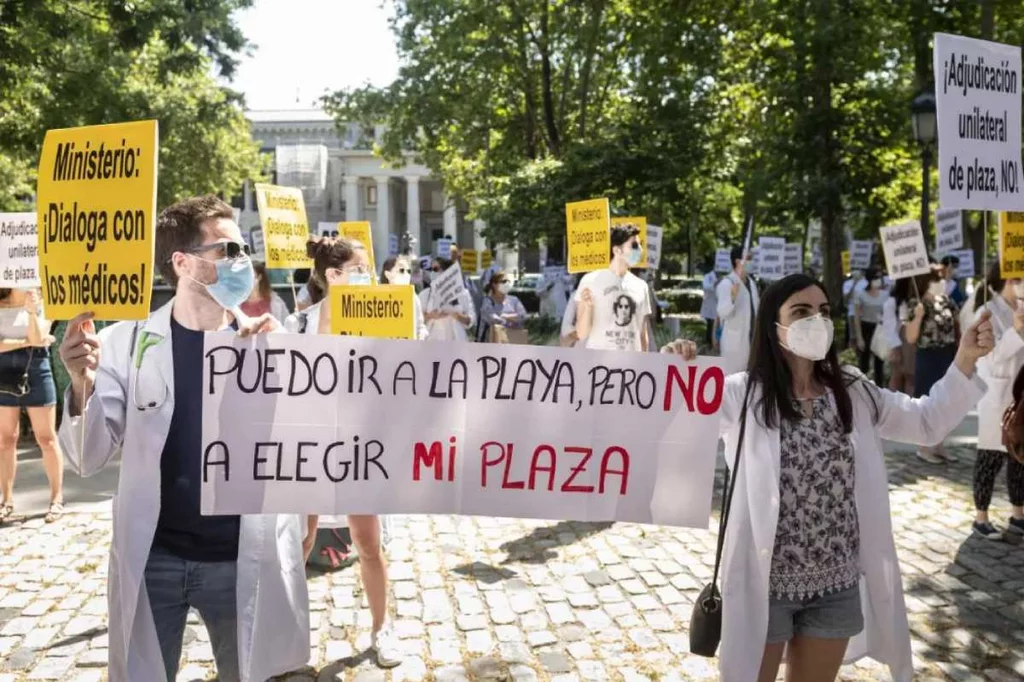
[{"x": 729, "y": 486}]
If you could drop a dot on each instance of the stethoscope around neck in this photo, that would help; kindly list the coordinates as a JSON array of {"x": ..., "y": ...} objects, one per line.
[{"x": 141, "y": 343}]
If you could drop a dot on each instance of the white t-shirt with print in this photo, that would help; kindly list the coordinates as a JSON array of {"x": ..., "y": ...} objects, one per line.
[{"x": 621, "y": 305}]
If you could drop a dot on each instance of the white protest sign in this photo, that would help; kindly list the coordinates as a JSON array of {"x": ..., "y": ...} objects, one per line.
[
  {"x": 949, "y": 230},
  {"x": 771, "y": 258},
  {"x": 320, "y": 424},
  {"x": 966, "y": 268},
  {"x": 445, "y": 286},
  {"x": 654, "y": 233},
  {"x": 793, "y": 261},
  {"x": 19, "y": 251},
  {"x": 259, "y": 249},
  {"x": 978, "y": 104},
  {"x": 327, "y": 229},
  {"x": 860, "y": 254},
  {"x": 723, "y": 260},
  {"x": 905, "y": 253},
  {"x": 754, "y": 264},
  {"x": 443, "y": 249}
]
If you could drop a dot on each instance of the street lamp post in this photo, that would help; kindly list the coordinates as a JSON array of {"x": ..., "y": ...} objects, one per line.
[{"x": 922, "y": 116}]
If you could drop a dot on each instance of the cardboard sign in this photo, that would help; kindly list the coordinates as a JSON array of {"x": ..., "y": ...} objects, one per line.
[
  {"x": 1011, "y": 244},
  {"x": 846, "y": 258},
  {"x": 443, "y": 249},
  {"x": 306, "y": 423},
  {"x": 653, "y": 245},
  {"x": 285, "y": 230},
  {"x": 905, "y": 253},
  {"x": 949, "y": 230},
  {"x": 723, "y": 260},
  {"x": 793, "y": 260},
  {"x": 382, "y": 312},
  {"x": 967, "y": 267},
  {"x": 641, "y": 223},
  {"x": 978, "y": 102},
  {"x": 588, "y": 229},
  {"x": 360, "y": 232},
  {"x": 860, "y": 254},
  {"x": 19, "y": 251},
  {"x": 96, "y": 215},
  {"x": 259, "y": 248},
  {"x": 772, "y": 254},
  {"x": 486, "y": 259},
  {"x": 445, "y": 286},
  {"x": 468, "y": 261},
  {"x": 327, "y": 229}
]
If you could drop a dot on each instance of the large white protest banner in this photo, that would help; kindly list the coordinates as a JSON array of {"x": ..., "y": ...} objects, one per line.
[
  {"x": 723, "y": 260},
  {"x": 654, "y": 233},
  {"x": 905, "y": 253},
  {"x": 860, "y": 254},
  {"x": 978, "y": 102},
  {"x": 949, "y": 230},
  {"x": 794, "y": 256},
  {"x": 319, "y": 424},
  {"x": 447, "y": 285},
  {"x": 19, "y": 251},
  {"x": 772, "y": 254}
]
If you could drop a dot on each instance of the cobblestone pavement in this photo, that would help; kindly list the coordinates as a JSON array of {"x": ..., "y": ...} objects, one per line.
[{"x": 481, "y": 598}]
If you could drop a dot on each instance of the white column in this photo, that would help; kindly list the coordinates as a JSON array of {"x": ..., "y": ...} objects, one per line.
[
  {"x": 247, "y": 202},
  {"x": 412, "y": 205},
  {"x": 451, "y": 218},
  {"x": 382, "y": 226},
  {"x": 351, "y": 198},
  {"x": 479, "y": 243}
]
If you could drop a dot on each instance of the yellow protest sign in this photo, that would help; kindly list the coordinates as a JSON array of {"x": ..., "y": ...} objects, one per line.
[
  {"x": 285, "y": 230},
  {"x": 587, "y": 225},
  {"x": 96, "y": 199},
  {"x": 468, "y": 260},
  {"x": 1011, "y": 244},
  {"x": 380, "y": 312},
  {"x": 360, "y": 231},
  {"x": 486, "y": 258},
  {"x": 846, "y": 262},
  {"x": 640, "y": 222}
]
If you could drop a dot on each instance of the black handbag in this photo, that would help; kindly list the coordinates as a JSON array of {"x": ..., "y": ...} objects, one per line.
[
  {"x": 706, "y": 619},
  {"x": 14, "y": 381}
]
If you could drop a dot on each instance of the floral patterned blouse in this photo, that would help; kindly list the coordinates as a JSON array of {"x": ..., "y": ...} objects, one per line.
[
  {"x": 939, "y": 327},
  {"x": 817, "y": 541}
]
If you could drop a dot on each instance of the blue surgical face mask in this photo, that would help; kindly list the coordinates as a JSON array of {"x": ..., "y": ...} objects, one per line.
[
  {"x": 235, "y": 280},
  {"x": 633, "y": 256},
  {"x": 359, "y": 279}
]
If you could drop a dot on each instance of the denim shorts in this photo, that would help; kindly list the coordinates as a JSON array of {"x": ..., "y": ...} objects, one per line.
[
  {"x": 42, "y": 390},
  {"x": 832, "y": 616}
]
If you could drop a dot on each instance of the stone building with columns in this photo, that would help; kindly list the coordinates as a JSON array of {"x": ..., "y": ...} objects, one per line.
[{"x": 360, "y": 186}]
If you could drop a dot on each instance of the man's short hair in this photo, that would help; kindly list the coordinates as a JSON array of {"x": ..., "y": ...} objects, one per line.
[
  {"x": 179, "y": 227},
  {"x": 736, "y": 255},
  {"x": 623, "y": 233},
  {"x": 950, "y": 260}
]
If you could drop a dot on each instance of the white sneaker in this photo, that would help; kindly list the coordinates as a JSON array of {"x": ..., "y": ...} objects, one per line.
[
  {"x": 385, "y": 646},
  {"x": 947, "y": 455},
  {"x": 929, "y": 457}
]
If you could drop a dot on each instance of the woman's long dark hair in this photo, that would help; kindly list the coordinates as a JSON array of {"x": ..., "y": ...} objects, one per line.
[
  {"x": 326, "y": 252},
  {"x": 769, "y": 368}
]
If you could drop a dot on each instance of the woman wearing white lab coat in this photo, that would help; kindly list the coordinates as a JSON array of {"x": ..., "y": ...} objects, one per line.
[
  {"x": 271, "y": 570},
  {"x": 797, "y": 384},
  {"x": 737, "y": 308}
]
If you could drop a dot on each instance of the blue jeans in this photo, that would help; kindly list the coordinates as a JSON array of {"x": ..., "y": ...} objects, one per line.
[{"x": 174, "y": 585}]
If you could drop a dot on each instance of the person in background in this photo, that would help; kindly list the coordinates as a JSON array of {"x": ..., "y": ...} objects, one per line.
[
  {"x": 263, "y": 300},
  {"x": 136, "y": 391},
  {"x": 501, "y": 312},
  {"x": 953, "y": 290},
  {"x": 613, "y": 304},
  {"x": 446, "y": 320},
  {"x": 851, "y": 287},
  {"x": 936, "y": 331},
  {"x": 867, "y": 317},
  {"x": 902, "y": 353},
  {"x": 397, "y": 270},
  {"x": 341, "y": 261},
  {"x": 26, "y": 381},
  {"x": 567, "y": 336},
  {"x": 737, "y": 308},
  {"x": 475, "y": 293},
  {"x": 655, "y": 318},
  {"x": 709, "y": 308},
  {"x": 551, "y": 290},
  {"x": 999, "y": 370},
  {"x": 301, "y": 279}
]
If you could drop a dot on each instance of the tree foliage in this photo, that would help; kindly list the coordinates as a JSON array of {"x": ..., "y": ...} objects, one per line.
[{"x": 67, "y": 63}]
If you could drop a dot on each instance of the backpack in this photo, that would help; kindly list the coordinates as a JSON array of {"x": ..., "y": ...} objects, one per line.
[{"x": 1013, "y": 421}]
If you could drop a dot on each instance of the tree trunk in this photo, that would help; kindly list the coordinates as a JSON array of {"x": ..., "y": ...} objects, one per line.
[{"x": 554, "y": 139}]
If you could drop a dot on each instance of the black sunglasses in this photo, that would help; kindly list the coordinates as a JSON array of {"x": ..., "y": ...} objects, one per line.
[{"x": 232, "y": 250}]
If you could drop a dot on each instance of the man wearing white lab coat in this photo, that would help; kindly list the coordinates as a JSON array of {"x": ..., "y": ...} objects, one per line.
[
  {"x": 737, "y": 308},
  {"x": 135, "y": 388}
]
